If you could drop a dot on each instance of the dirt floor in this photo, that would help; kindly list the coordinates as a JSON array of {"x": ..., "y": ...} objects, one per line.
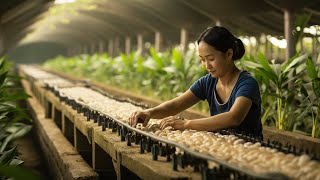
[{"x": 30, "y": 153}]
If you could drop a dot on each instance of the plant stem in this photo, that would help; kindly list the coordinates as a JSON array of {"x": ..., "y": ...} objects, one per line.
[
  {"x": 315, "y": 122},
  {"x": 279, "y": 108}
]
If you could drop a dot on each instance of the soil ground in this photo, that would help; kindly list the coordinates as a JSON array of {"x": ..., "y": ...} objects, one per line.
[{"x": 30, "y": 153}]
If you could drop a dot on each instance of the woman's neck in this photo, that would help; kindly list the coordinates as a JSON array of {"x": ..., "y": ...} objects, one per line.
[{"x": 229, "y": 77}]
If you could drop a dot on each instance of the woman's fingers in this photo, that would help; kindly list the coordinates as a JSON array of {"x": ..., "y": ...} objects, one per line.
[
  {"x": 166, "y": 123},
  {"x": 133, "y": 119},
  {"x": 139, "y": 117},
  {"x": 169, "y": 121},
  {"x": 174, "y": 122}
]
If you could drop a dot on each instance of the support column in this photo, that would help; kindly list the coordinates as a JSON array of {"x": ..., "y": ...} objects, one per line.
[
  {"x": 140, "y": 46},
  {"x": 79, "y": 50},
  {"x": 158, "y": 41},
  {"x": 92, "y": 48},
  {"x": 288, "y": 28},
  {"x": 257, "y": 47},
  {"x": 266, "y": 50},
  {"x": 301, "y": 44},
  {"x": 127, "y": 45},
  {"x": 101, "y": 47},
  {"x": 278, "y": 53},
  {"x": 183, "y": 40},
  {"x": 110, "y": 47},
  {"x": 116, "y": 50},
  {"x": 85, "y": 49},
  {"x": 2, "y": 44},
  {"x": 315, "y": 48},
  {"x": 249, "y": 46},
  {"x": 271, "y": 50},
  {"x": 218, "y": 23},
  {"x": 69, "y": 52}
]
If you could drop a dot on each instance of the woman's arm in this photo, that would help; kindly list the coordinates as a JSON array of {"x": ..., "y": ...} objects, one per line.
[
  {"x": 165, "y": 109},
  {"x": 232, "y": 118},
  {"x": 174, "y": 106}
]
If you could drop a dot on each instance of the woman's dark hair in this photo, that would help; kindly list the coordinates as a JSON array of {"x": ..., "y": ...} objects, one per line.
[{"x": 222, "y": 40}]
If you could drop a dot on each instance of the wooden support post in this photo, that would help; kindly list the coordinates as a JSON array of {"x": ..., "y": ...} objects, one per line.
[
  {"x": 315, "y": 48},
  {"x": 301, "y": 45},
  {"x": 48, "y": 109},
  {"x": 249, "y": 46},
  {"x": 257, "y": 48},
  {"x": 92, "y": 48},
  {"x": 218, "y": 22},
  {"x": 85, "y": 49},
  {"x": 69, "y": 52},
  {"x": 279, "y": 53},
  {"x": 271, "y": 50},
  {"x": 288, "y": 28},
  {"x": 2, "y": 41},
  {"x": 116, "y": 49},
  {"x": 63, "y": 129},
  {"x": 158, "y": 41},
  {"x": 110, "y": 47},
  {"x": 183, "y": 40},
  {"x": 83, "y": 146},
  {"x": 140, "y": 46},
  {"x": 53, "y": 111},
  {"x": 127, "y": 45},
  {"x": 101, "y": 47}
]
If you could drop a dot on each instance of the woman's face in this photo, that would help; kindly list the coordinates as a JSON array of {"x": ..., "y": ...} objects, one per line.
[{"x": 216, "y": 62}]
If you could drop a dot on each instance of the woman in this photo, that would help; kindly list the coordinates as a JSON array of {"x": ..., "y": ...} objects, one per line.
[{"x": 233, "y": 95}]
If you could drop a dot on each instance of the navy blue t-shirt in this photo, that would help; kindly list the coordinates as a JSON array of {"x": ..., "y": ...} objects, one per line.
[{"x": 204, "y": 88}]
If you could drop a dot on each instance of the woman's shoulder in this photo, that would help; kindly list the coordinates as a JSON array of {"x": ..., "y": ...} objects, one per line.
[
  {"x": 207, "y": 78},
  {"x": 246, "y": 77}
]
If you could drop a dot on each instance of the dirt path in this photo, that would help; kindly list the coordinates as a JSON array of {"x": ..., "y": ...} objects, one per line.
[{"x": 30, "y": 153}]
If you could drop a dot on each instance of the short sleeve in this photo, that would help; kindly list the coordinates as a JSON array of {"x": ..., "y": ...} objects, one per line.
[
  {"x": 199, "y": 88},
  {"x": 249, "y": 88}
]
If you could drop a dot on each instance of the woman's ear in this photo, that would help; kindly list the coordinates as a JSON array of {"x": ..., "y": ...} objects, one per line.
[{"x": 229, "y": 53}]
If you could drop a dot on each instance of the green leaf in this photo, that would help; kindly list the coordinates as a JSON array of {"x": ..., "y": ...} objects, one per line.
[
  {"x": 15, "y": 77},
  {"x": 301, "y": 68},
  {"x": 294, "y": 62},
  {"x": 17, "y": 173},
  {"x": 16, "y": 162},
  {"x": 3, "y": 63},
  {"x": 269, "y": 76},
  {"x": 3, "y": 77},
  {"x": 7, "y": 156},
  {"x": 318, "y": 62},
  {"x": 266, "y": 68},
  {"x": 311, "y": 69},
  {"x": 19, "y": 133},
  {"x": 304, "y": 91},
  {"x": 264, "y": 63},
  {"x": 316, "y": 87},
  {"x": 17, "y": 96},
  {"x": 156, "y": 59},
  {"x": 177, "y": 59},
  {"x": 251, "y": 64}
]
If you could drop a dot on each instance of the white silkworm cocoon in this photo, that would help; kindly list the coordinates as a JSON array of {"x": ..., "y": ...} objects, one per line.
[{"x": 239, "y": 141}]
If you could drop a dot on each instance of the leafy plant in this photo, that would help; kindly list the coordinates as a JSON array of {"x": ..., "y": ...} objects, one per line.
[
  {"x": 14, "y": 122},
  {"x": 9, "y": 166},
  {"x": 312, "y": 95},
  {"x": 275, "y": 77},
  {"x": 167, "y": 74},
  {"x": 160, "y": 75},
  {"x": 12, "y": 117}
]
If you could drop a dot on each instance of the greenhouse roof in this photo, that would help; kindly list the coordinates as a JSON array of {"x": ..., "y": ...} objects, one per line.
[{"x": 88, "y": 21}]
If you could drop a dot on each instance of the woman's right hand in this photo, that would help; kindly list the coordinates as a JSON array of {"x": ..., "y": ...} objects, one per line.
[{"x": 139, "y": 117}]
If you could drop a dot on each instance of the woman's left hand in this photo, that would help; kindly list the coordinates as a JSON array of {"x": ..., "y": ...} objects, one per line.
[{"x": 175, "y": 122}]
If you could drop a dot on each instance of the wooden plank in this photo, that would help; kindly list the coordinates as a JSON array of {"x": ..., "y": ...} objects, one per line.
[{"x": 65, "y": 160}]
